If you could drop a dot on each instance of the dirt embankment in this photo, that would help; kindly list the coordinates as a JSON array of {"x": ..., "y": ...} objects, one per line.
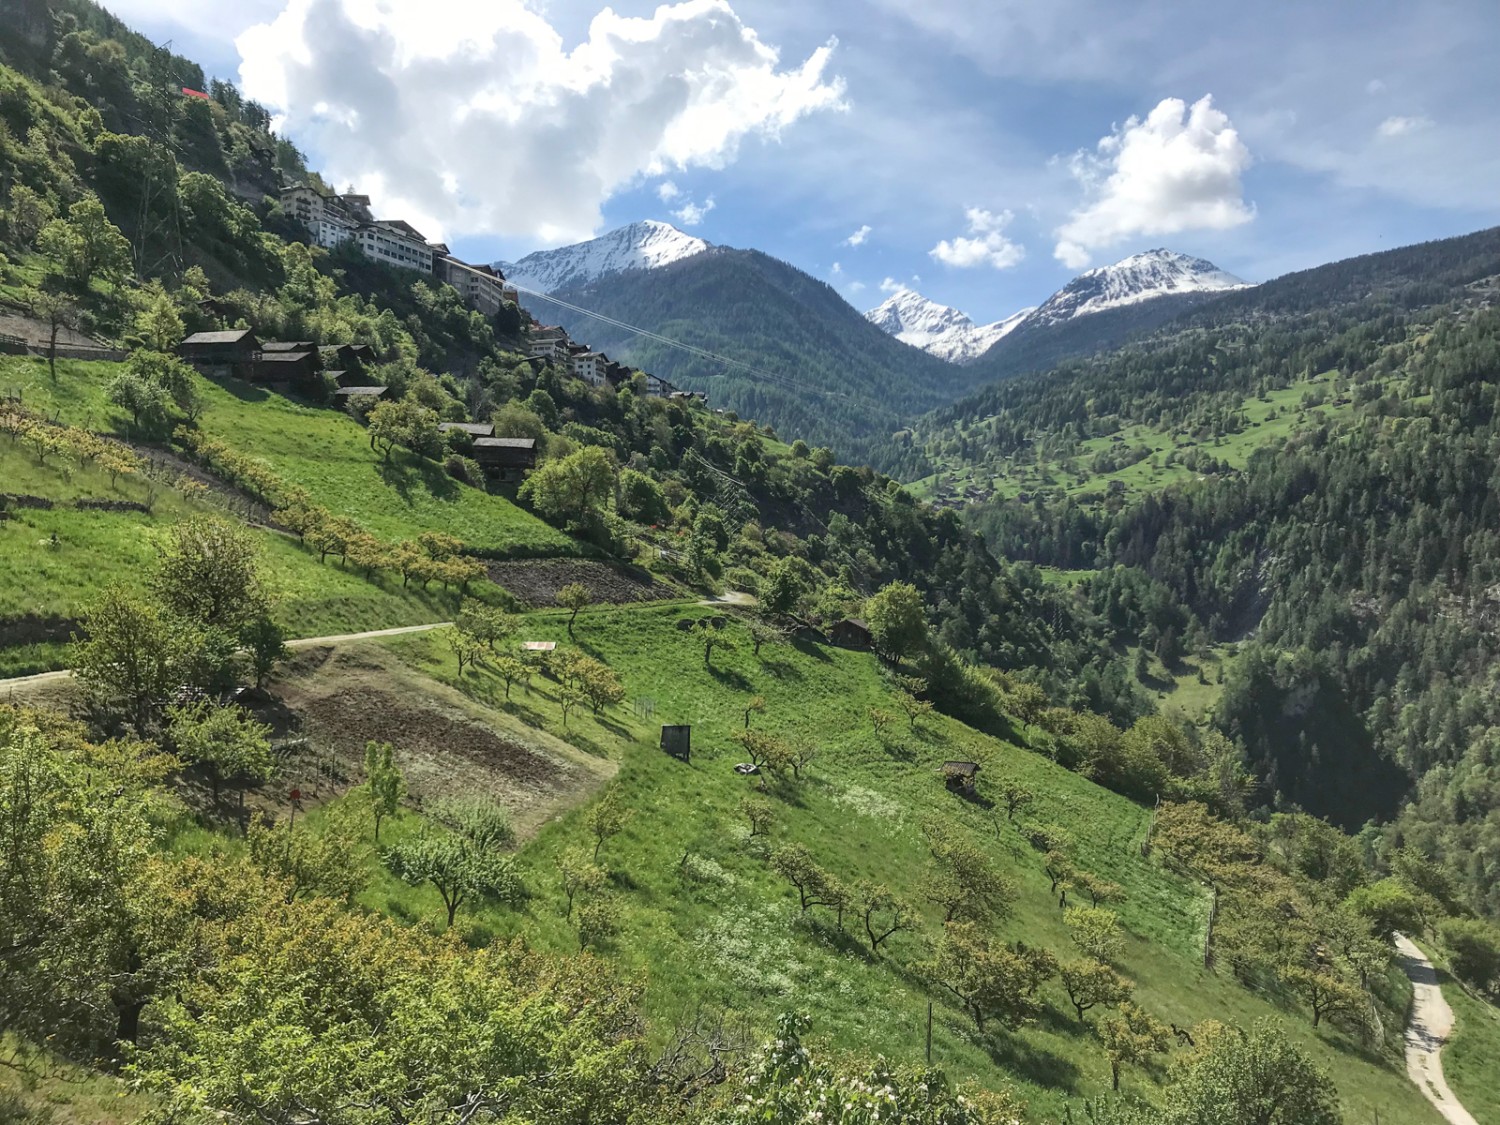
[{"x": 537, "y": 581}]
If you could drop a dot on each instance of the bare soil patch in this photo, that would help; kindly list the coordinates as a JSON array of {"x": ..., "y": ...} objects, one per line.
[
  {"x": 537, "y": 581},
  {"x": 330, "y": 701}
]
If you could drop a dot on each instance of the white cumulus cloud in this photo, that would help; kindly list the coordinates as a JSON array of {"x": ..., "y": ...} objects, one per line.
[
  {"x": 477, "y": 118},
  {"x": 667, "y": 191},
  {"x": 891, "y": 285},
  {"x": 856, "y": 286},
  {"x": 1400, "y": 126},
  {"x": 985, "y": 245},
  {"x": 1177, "y": 169},
  {"x": 858, "y": 237},
  {"x": 690, "y": 214}
]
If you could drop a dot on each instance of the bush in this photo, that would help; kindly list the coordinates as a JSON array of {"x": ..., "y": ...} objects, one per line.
[{"x": 1473, "y": 951}]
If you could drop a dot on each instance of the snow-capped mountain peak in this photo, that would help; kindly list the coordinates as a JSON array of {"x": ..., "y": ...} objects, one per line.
[
  {"x": 943, "y": 331},
  {"x": 1140, "y": 277},
  {"x": 644, "y": 245}
]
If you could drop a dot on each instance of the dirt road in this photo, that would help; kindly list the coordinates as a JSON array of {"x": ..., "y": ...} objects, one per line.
[
  {"x": 1431, "y": 1023},
  {"x": 42, "y": 679}
]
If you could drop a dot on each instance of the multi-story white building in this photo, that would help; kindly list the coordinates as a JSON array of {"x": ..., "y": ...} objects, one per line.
[
  {"x": 396, "y": 243},
  {"x": 589, "y": 366},
  {"x": 479, "y": 286}
]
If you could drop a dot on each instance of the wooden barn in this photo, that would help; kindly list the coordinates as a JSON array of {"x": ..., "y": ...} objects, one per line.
[
  {"x": 678, "y": 741},
  {"x": 505, "y": 458},
  {"x": 230, "y": 352},
  {"x": 851, "y": 632}
]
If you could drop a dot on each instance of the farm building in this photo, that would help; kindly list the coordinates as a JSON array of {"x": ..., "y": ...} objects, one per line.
[
  {"x": 348, "y": 394},
  {"x": 504, "y": 458},
  {"x": 285, "y": 366},
  {"x": 851, "y": 632},
  {"x": 677, "y": 741},
  {"x": 289, "y": 346},
  {"x": 473, "y": 429},
  {"x": 233, "y": 351},
  {"x": 961, "y": 775}
]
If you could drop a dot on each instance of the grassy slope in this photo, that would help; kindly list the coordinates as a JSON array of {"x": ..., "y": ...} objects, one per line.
[
  {"x": 95, "y": 549},
  {"x": 731, "y": 936},
  {"x": 321, "y": 449}
]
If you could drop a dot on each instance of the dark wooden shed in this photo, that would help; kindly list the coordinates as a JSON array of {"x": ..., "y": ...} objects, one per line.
[
  {"x": 289, "y": 346},
  {"x": 851, "y": 632},
  {"x": 234, "y": 350},
  {"x": 960, "y": 775},
  {"x": 505, "y": 458},
  {"x": 286, "y": 367},
  {"x": 677, "y": 741},
  {"x": 346, "y": 394}
]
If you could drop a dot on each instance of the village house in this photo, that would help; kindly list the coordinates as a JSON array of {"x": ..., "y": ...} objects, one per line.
[
  {"x": 396, "y": 243},
  {"x": 549, "y": 344},
  {"x": 344, "y": 395},
  {"x": 274, "y": 365},
  {"x": 851, "y": 632},
  {"x": 505, "y": 458}
]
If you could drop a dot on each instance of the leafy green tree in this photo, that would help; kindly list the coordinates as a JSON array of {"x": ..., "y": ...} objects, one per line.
[
  {"x": 57, "y": 311},
  {"x": 1260, "y": 1077},
  {"x": 641, "y": 498},
  {"x": 85, "y": 245},
  {"x": 465, "y": 647},
  {"x": 1473, "y": 951},
  {"x": 712, "y": 636},
  {"x": 1096, "y": 931},
  {"x": 784, "y": 586},
  {"x": 570, "y": 489},
  {"x": 1090, "y": 983},
  {"x": 580, "y": 875},
  {"x": 898, "y": 621},
  {"x": 755, "y": 705},
  {"x": 1324, "y": 990},
  {"x": 882, "y": 912},
  {"x": 159, "y": 323},
  {"x": 962, "y": 879},
  {"x": 383, "y": 782},
  {"x": 1386, "y": 907},
  {"x": 459, "y": 869},
  {"x": 265, "y": 643},
  {"x": 27, "y": 213},
  {"x": 598, "y": 919},
  {"x": 759, "y": 813},
  {"x": 607, "y": 818},
  {"x": 327, "y": 862},
  {"x": 228, "y": 742},
  {"x": 511, "y": 669},
  {"x": 131, "y": 655},
  {"x": 1132, "y": 1036},
  {"x": 405, "y": 422},
  {"x": 990, "y": 981},
  {"x": 1015, "y": 796},
  {"x": 145, "y": 400},
  {"x": 208, "y": 571},
  {"x": 574, "y": 597}
]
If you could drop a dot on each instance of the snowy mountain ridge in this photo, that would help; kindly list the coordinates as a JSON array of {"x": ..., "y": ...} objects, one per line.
[
  {"x": 949, "y": 334},
  {"x": 1140, "y": 277},
  {"x": 938, "y": 329},
  {"x": 643, "y": 245}
]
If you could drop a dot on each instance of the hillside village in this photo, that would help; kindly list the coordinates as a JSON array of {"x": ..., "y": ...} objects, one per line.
[{"x": 413, "y": 715}]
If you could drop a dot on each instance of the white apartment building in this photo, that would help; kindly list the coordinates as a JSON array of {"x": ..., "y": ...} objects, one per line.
[
  {"x": 589, "y": 366},
  {"x": 396, "y": 243},
  {"x": 479, "y": 286}
]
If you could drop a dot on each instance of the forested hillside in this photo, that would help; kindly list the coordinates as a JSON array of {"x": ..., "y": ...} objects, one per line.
[
  {"x": 1350, "y": 555},
  {"x": 830, "y": 376}
]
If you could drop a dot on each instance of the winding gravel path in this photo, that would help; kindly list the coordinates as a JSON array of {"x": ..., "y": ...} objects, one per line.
[{"x": 1431, "y": 1022}]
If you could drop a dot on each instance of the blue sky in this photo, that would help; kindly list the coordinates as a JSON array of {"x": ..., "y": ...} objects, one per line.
[{"x": 991, "y": 149}]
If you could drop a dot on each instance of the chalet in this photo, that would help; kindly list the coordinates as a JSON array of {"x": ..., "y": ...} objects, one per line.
[
  {"x": 658, "y": 387},
  {"x": 851, "y": 632},
  {"x": 345, "y": 357},
  {"x": 231, "y": 352},
  {"x": 344, "y": 395},
  {"x": 289, "y": 346},
  {"x": 549, "y": 344},
  {"x": 473, "y": 429},
  {"x": 1116, "y": 487},
  {"x": 505, "y": 458},
  {"x": 285, "y": 367},
  {"x": 961, "y": 776}
]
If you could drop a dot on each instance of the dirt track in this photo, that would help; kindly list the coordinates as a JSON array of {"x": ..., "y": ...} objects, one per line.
[
  {"x": 537, "y": 581},
  {"x": 1431, "y": 1023}
]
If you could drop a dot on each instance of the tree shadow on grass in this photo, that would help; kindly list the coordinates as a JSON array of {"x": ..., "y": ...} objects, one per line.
[
  {"x": 729, "y": 678},
  {"x": 1011, "y": 1052},
  {"x": 238, "y": 388},
  {"x": 808, "y": 648}
]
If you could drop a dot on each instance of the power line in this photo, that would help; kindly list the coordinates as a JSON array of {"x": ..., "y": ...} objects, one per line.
[{"x": 691, "y": 349}]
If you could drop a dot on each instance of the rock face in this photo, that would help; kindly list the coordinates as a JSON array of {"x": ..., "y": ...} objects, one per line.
[
  {"x": 944, "y": 332},
  {"x": 644, "y": 245},
  {"x": 1140, "y": 277}
]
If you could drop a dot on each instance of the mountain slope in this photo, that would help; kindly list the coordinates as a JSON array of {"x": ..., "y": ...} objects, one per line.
[
  {"x": 645, "y": 245},
  {"x": 938, "y": 329},
  {"x": 1104, "y": 307},
  {"x": 821, "y": 370}
]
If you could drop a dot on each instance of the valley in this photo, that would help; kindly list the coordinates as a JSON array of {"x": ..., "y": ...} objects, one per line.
[{"x": 426, "y": 699}]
